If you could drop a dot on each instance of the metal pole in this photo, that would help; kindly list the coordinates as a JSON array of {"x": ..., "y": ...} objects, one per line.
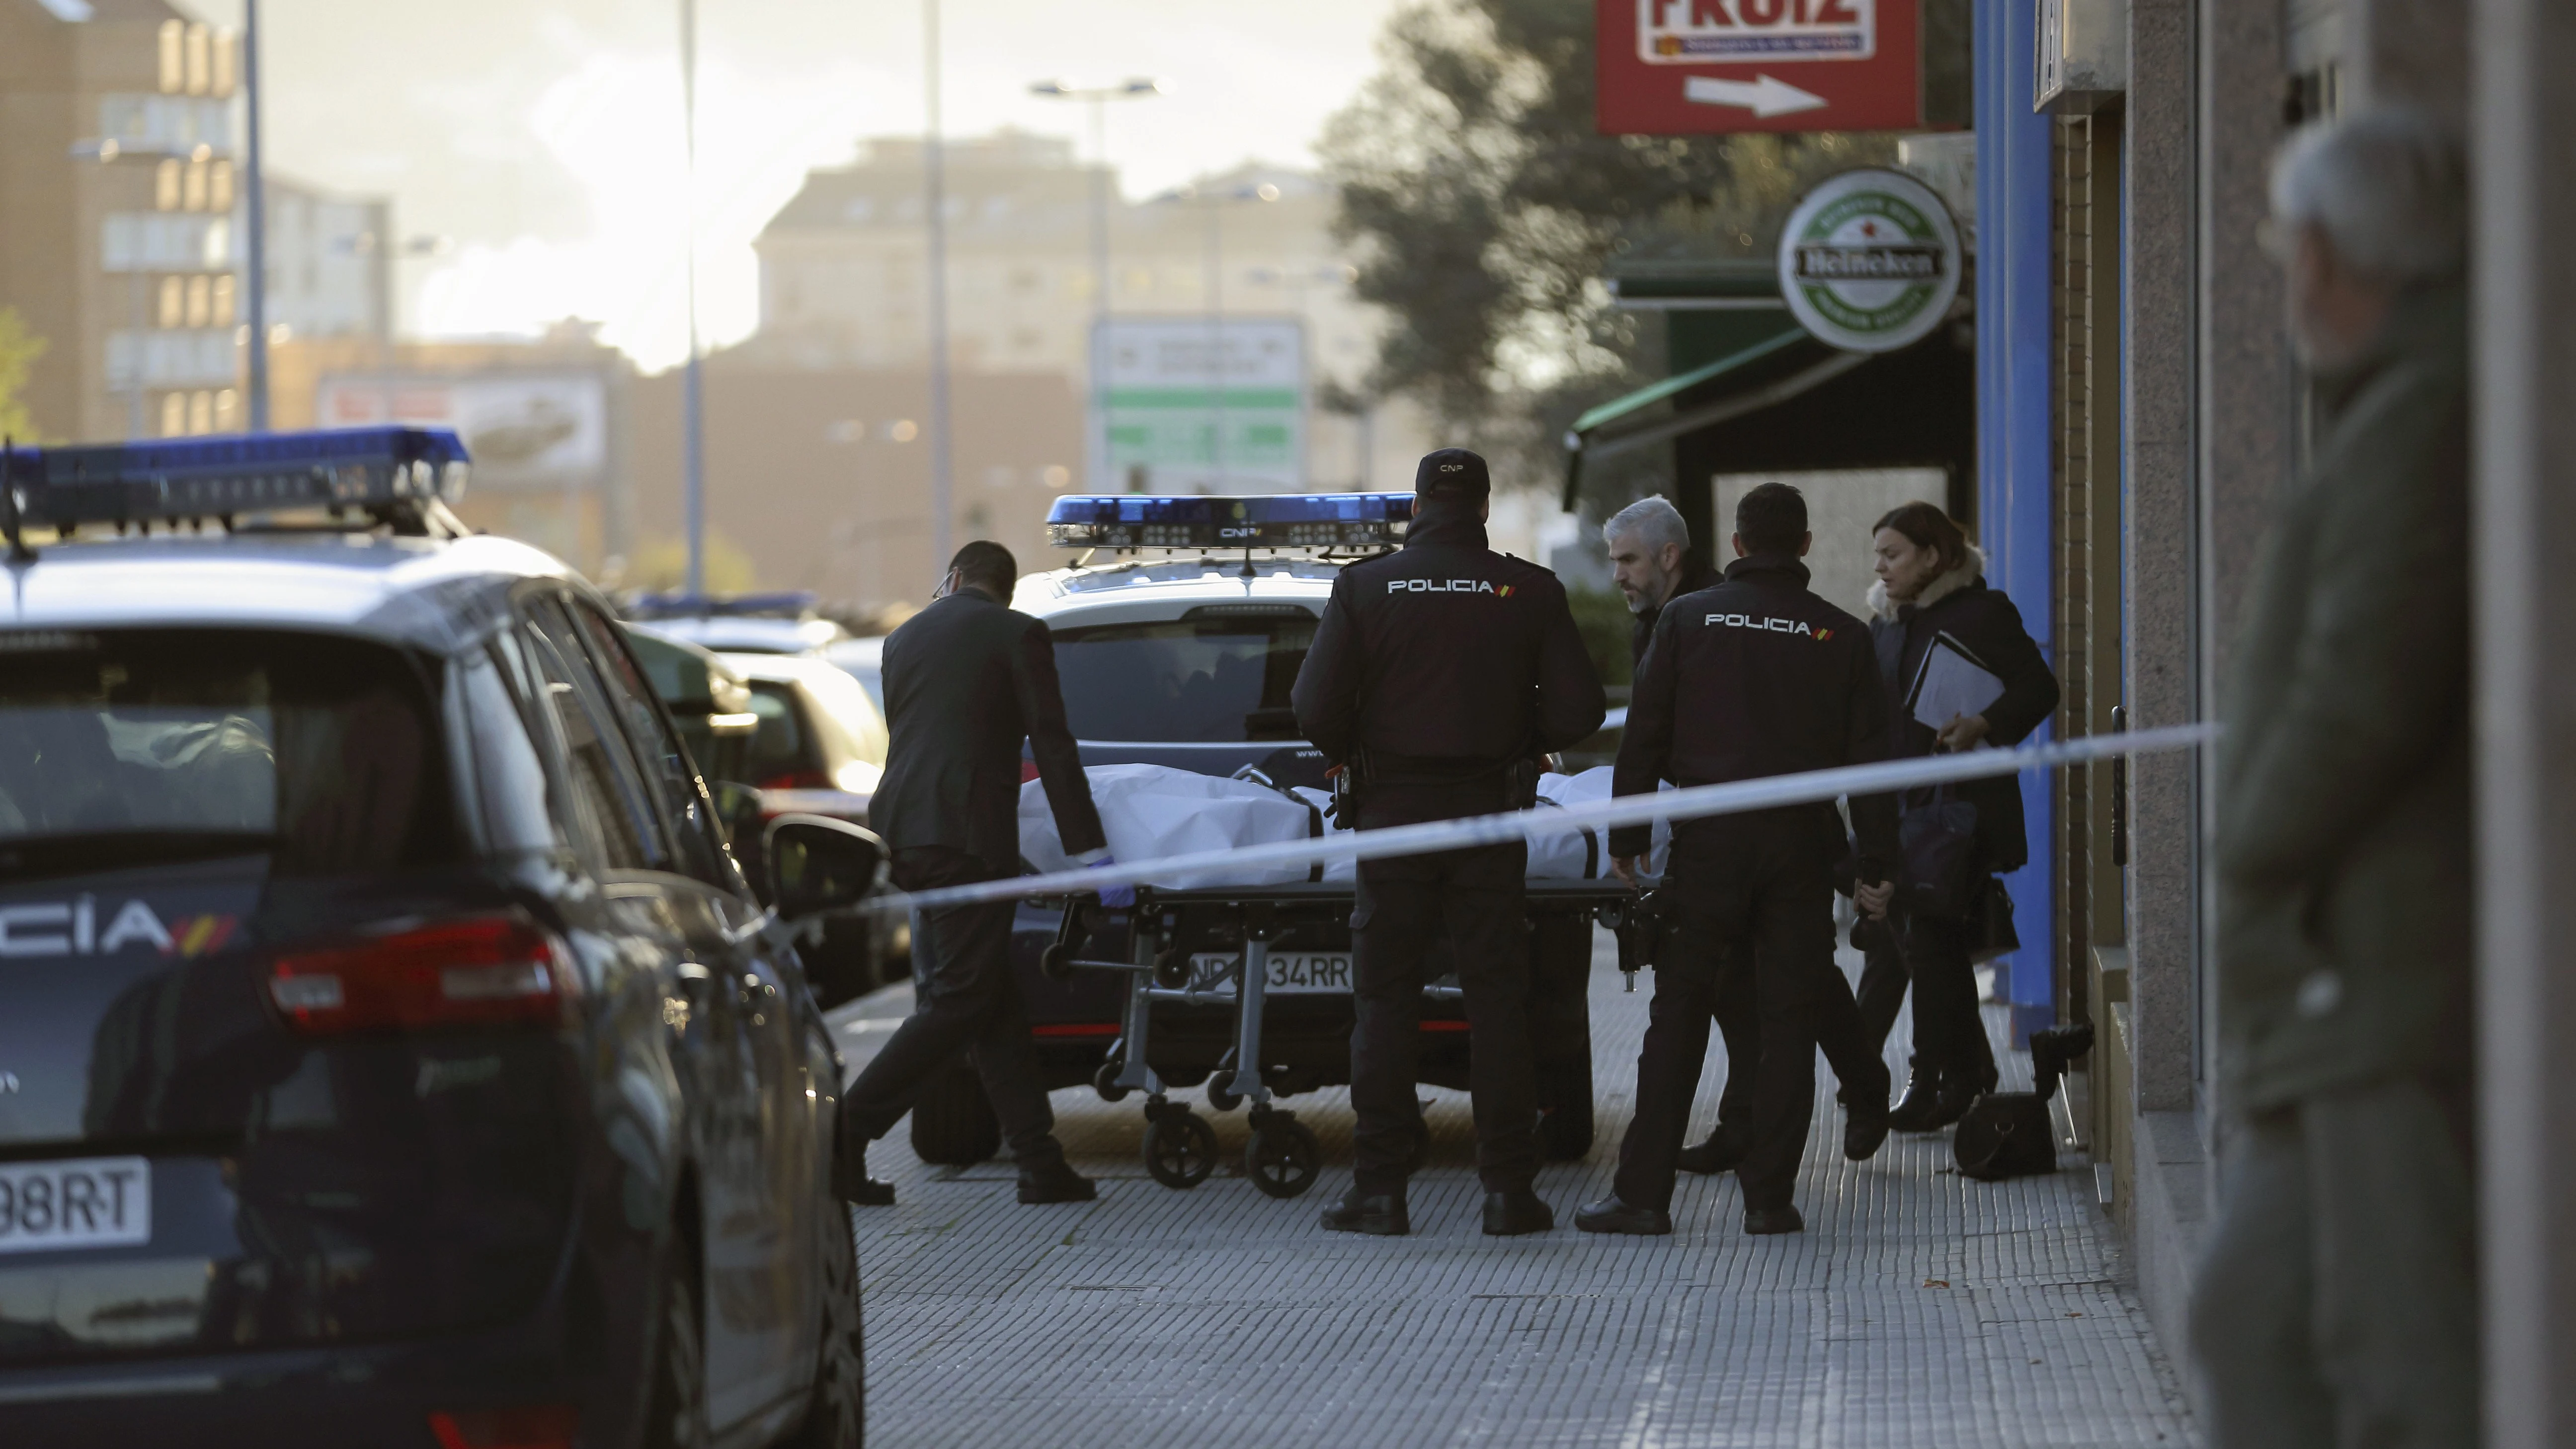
[
  {"x": 1216, "y": 337},
  {"x": 934, "y": 189},
  {"x": 256, "y": 198},
  {"x": 142, "y": 336},
  {"x": 693, "y": 452}
]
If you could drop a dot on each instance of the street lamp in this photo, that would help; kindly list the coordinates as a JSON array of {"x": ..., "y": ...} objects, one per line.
[
  {"x": 693, "y": 452},
  {"x": 1098, "y": 98}
]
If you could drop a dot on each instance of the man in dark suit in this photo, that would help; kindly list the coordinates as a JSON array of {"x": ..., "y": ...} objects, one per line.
[{"x": 966, "y": 680}]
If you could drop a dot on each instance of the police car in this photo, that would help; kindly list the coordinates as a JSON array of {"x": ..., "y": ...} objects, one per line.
[
  {"x": 390, "y": 1049},
  {"x": 1179, "y": 631}
]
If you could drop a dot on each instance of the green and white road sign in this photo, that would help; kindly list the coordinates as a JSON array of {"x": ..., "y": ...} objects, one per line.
[
  {"x": 1195, "y": 405},
  {"x": 1870, "y": 261}
]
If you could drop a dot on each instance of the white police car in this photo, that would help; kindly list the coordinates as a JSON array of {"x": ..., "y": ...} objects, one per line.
[
  {"x": 390, "y": 1049},
  {"x": 1178, "y": 635}
]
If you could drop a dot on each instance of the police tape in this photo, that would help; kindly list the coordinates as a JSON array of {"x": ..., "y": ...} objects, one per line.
[{"x": 1696, "y": 803}]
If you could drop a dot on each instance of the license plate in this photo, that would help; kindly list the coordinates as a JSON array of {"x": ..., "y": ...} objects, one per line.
[
  {"x": 1292, "y": 973},
  {"x": 88, "y": 1202}
]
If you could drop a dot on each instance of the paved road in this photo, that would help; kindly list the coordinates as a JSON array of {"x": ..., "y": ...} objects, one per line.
[{"x": 1920, "y": 1308}]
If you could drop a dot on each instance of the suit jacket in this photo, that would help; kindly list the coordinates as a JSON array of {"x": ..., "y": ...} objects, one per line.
[{"x": 966, "y": 680}]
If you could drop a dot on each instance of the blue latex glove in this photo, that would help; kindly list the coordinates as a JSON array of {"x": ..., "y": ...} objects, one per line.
[{"x": 1118, "y": 897}]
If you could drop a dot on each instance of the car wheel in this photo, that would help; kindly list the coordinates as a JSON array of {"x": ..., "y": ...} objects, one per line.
[
  {"x": 836, "y": 1415},
  {"x": 952, "y": 1124},
  {"x": 675, "y": 1417}
]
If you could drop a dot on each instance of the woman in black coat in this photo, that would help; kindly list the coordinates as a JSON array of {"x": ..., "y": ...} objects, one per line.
[{"x": 1931, "y": 583}]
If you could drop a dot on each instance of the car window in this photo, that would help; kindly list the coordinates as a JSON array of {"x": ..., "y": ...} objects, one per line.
[
  {"x": 666, "y": 768},
  {"x": 608, "y": 797},
  {"x": 783, "y": 754},
  {"x": 1213, "y": 681},
  {"x": 325, "y": 753}
]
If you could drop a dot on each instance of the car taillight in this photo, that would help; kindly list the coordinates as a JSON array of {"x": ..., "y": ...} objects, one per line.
[
  {"x": 539, "y": 1426},
  {"x": 798, "y": 780},
  {"x": 480, "y": 971}
]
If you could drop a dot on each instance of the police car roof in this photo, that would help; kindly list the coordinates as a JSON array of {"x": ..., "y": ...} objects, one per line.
[
  {"x": 432, "y": 594},
  {"x": 1150, "y": 591}
]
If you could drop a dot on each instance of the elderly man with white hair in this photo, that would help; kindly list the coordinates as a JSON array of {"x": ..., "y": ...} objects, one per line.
[{"x": 2337, "y": 1302}]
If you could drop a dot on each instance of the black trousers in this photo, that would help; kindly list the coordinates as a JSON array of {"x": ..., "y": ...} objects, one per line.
[
  {"x": 1476, "y": 900},
  {"x": 1756, "y": 898},
  {"x": 1882, "y": 980},
  {"x": 966, "y": 1000},
  {"x": 1844, "y": 1032},
  {"x": 1948, "y": 1031}
]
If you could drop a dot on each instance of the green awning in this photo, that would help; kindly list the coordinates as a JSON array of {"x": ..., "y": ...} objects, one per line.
[
  {"x": 1645, "y": 397},
  {"x": 1593, "y": 434}
]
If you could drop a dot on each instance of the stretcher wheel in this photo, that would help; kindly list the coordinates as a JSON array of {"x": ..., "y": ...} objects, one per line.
[
  {"x": 1171, "y": 968},
  {"x": 1105, "y": 1081},
  {"x": 1180, "y": 1148},
  {"x": 1056, "y": 962},
  {"x": 1218, "y": 1098},
  {"x": 1282, "y": 1157}
]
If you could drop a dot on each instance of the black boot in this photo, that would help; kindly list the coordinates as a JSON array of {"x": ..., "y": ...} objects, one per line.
[
  {"x": 1865, "y": 1118},
  {"x": 850, "y": 1180},
  {"x": 1056, "y": 1182},
  {"x": 1510, "y": 1214},
  {"x": 1920, "y": 1109},
  {"x": 1762, "y": 1222},
  {"x": 1610, "y": 1215},
  {"x": 1959, "y": 1087},
  {"x": 1720, "y": 1153},
  {"x": 1377, "y": 1214}
]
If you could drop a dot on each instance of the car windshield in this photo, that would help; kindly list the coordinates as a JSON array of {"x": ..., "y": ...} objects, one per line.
[
  {"x": 1210, "y": 681},
  {"x": 320, "y": 751}
]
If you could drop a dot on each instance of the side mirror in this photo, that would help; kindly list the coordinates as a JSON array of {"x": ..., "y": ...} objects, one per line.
[{"x": 817, "y": 864}]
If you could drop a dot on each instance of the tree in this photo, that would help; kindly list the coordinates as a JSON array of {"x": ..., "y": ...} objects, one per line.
[
  {"x": 19, "y": 349},
  {"x": 1485, "y": 210}
]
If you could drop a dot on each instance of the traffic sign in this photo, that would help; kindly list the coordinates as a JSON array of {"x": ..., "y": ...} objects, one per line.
[
  {"x": 1678, "y": 67},
  {"x": 1869, "y": 261},
  {"x": 1198, "y": 405}
]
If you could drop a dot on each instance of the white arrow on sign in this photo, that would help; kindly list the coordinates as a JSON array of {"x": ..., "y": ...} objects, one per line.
[{"x": 1761, "y": 95}]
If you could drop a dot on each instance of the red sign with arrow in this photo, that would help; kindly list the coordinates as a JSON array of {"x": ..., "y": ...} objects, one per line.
[{"x": 1679, "y": 67}]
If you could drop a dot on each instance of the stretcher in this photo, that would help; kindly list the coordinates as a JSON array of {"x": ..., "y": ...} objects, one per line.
[{"x": 1167, "y": 965}]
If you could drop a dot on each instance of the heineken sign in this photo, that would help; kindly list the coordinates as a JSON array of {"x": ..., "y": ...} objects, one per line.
[{"x": 1869, "y": 261}]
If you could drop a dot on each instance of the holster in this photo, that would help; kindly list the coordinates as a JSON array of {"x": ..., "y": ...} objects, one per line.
[{"x": 1350, "y": 789}]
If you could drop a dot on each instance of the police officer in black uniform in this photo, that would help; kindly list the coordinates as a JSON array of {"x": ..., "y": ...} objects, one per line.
[
  {"x": 1755, "y": 677},
  {"x": 1439, "y": 675}
]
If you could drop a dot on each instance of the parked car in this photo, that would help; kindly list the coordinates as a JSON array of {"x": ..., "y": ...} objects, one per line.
[
  {"x": 392, "y": 1053},
  {"x": 741, "y": 624},
  {"x": 820, "y": 749},
  {"x": 864, "y": 659},
  {"x": 710, "y": 705}
]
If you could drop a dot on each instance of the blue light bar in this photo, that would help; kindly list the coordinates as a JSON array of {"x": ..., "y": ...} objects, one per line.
[
  {"x": 1283, "y": 520},
  {"x": 390, "y": 474}
]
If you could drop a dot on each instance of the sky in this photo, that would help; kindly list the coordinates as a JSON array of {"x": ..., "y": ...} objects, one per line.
[{"x": 540, "y": 141}]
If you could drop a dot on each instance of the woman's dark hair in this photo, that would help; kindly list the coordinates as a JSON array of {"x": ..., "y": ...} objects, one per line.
[{"x": 1926, "y": 526}]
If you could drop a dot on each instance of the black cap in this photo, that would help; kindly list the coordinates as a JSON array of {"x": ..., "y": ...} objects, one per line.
[{"x": 1452, "y": 473}]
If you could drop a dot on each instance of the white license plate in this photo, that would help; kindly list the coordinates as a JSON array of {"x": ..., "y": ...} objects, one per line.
[
  {"x": 88, "y": 1202},
  {"x": 1292, "y": 973}
]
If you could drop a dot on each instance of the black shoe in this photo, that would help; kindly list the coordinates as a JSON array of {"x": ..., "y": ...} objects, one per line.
[
  {"x": 1722, "y": 1152},
  {"x": 851, "y": 1183},
  {"x": 1958, "y": 1089},
  {"x": 1760, "y": 1222},
  {"x": 1920, "y": 1109},
  {"x": 1377, "y": 1214},
  {"x": 1510, "y": 1214},
  {"x": 1864, "y": 1129},
  {"x": 1056, "y": 1183},
  {"x": 1613, "y": 1216}
]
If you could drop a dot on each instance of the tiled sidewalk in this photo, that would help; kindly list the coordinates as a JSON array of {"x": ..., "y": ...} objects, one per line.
[{"x": 1919, "y": 1308}]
